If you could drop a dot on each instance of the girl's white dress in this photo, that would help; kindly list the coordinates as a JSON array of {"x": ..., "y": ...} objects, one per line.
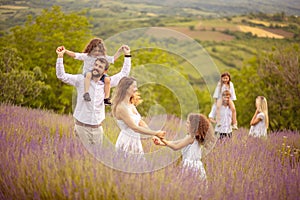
[
  {"x": 128, "y": 140},
  {"x": 259, "y": 129},
  {"x": 191, "y": 158},
  {"x": 218, "y": 92}
]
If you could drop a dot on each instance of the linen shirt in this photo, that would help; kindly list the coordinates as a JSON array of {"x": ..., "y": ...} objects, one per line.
[
  {"x": 90, "y": 112},
  {"x": 225, "y": 120}
]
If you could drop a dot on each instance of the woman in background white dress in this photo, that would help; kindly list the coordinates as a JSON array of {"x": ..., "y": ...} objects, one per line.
[
  {"x": 260, "y": 120},
  {"x": 128, "y": 118}
]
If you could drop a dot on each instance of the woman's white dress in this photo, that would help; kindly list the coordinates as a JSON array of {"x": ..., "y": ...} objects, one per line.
[
  {"x": 191, "y": 158},
  {"x": 259, "y": 129},
  {"x": 128, "y": 140}
]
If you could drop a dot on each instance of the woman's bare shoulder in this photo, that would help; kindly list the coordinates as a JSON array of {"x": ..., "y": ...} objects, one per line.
[{"x": 121, "y": 111}]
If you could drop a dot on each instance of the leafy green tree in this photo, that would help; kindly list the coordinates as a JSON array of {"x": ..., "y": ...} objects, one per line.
[
  {"x": 36, "y": 42},
  {"x": 280, "y": 73},
  {"x": 19, "y": 86},
  {"x": 275, "y": 75}
]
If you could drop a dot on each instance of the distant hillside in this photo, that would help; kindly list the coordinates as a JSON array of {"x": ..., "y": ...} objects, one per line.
[
  {"x": 191, "y": 7},
  {"x": 231, "y": 7}
]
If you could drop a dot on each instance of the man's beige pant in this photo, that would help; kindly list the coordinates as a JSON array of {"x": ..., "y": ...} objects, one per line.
[{"x": 89, "y": 136}]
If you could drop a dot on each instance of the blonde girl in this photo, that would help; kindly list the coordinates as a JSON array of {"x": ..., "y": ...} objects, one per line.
[
  {"x": 260, "y": 120},
  {"x": 136, "y": 98}
]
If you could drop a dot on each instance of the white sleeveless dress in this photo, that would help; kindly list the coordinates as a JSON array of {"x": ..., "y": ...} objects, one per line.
[
  {"x": 191, "y": 158},
  {"x": 128, "y": 140}
]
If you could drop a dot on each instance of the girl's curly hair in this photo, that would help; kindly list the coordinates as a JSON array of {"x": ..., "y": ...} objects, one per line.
[
  {"x": 96, "y": 42},
  {"x": 199, "y": 126}
]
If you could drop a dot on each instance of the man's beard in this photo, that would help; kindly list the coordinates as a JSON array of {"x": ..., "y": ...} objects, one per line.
[{"x": 95, "y": 75}]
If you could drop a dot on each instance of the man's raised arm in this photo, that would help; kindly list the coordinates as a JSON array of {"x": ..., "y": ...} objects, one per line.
[
  {"x": 60, "y": 69},
  {"x": 125, "y": 69}
]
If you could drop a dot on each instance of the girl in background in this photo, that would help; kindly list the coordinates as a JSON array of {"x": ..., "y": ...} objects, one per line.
[
  {"x": 260, "y": 120},
  {"x": 136, "y": 99},
  {"x": 94, "y": 49},
  {"x": 224, "y": 84}
]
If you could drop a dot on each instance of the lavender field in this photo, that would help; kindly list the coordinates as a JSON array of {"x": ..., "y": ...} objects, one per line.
[{"x": 42, "y": 159}]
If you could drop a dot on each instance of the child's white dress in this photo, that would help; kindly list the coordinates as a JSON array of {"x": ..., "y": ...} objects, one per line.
[
  {"x": 259, "y": 129},
  {"x": 89, "y": 61},
  {"x": 218, "y": 93},
  {"x": 128, "y": 140},
  {"x": 191, "y": 158}
]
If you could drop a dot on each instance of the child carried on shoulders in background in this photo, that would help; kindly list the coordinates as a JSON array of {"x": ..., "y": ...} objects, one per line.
[
  {"x": 260, "y": 120},
  {"x": 225, "y": 129},
  {"x": 94, "y": 49},
  {"x": 224, "y": 84}
]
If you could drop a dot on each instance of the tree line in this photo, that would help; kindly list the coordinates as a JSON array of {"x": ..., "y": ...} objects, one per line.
[{"x": 27, "y": 63}]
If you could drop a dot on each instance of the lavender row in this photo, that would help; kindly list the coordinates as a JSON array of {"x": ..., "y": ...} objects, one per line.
[{"x": 42, "y": 159}]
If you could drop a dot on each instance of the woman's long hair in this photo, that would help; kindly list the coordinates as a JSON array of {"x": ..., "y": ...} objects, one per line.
[
  {"x": 120, "y": 92},
  {"x": 263, "y": 107}
]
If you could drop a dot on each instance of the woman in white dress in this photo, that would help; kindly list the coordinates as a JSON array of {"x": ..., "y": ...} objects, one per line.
[
  {"x": 193, "y": 144},
  {"x": 128, "y": 118},
  {"x": 260, "y": 120}
]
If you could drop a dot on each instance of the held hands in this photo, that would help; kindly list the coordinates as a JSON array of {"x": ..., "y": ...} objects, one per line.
[
  {"x": 160, "y": 134},
  {"x": 158, "y": 141},
  {"x": 60, "y": 51}
]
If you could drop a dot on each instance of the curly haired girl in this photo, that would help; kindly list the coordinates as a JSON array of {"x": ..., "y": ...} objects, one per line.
[{"x": 193, "y": 144}]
